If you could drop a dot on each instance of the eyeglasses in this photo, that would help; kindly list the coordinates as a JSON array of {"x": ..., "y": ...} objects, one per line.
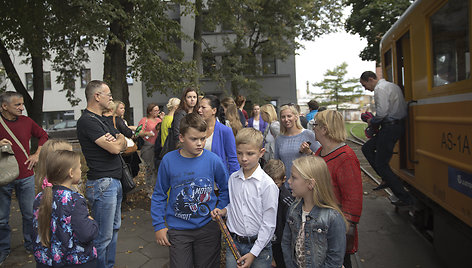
[{"x": 109, "y": 94}]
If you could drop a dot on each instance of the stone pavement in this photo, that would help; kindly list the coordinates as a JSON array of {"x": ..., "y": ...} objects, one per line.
[{"x": 136, "y": 245}]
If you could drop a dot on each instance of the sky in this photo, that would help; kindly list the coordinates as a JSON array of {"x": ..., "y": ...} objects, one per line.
[{"x": 327, "y": 52}]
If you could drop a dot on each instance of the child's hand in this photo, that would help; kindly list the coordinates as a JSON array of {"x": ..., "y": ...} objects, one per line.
[
  {"x": 161, "y": 237},
  {"x": 246, "y": 260},
  {"x": 217, "y": 211}
]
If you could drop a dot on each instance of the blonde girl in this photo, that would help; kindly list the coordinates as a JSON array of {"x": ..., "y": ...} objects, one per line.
[
  {"x": 172, "y": 106},
  {"x": 269, "y": 115},
  {"x": 49, "y": 147},
  {"x": 315, "y": 216},
  {"x": 63, "y": 231}
]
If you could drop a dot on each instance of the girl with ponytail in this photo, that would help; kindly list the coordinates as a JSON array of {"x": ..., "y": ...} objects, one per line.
[{"x": 63, "y": 231}]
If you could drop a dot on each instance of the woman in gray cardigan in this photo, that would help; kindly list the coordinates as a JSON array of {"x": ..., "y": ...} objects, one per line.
[{"x": 294, "y": 141}]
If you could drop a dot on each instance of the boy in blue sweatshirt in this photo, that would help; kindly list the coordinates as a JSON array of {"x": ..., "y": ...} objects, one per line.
[{"x": 182, "y": 220}]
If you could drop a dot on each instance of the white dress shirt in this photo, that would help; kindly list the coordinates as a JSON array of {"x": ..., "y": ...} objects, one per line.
[
  {"x": 252, "y": 208},
  {"x": 389, "y": 102}
]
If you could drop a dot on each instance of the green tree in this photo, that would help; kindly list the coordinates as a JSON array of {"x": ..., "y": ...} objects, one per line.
[
  {"x": 44, "y": 30},
  {"x": 371, "y": 19},
  {"x": 337, "y": 87},
  {"x": 143, "y": 32},
  {"x": 265, "y": 28}
]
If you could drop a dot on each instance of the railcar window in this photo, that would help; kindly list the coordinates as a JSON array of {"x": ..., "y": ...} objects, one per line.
[
  {"x": 388, "y": 65},
  {"x": 450, "y": 41}
]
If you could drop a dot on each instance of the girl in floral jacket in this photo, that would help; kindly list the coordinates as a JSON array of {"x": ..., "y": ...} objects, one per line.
[{"x": 63, "y": 231}]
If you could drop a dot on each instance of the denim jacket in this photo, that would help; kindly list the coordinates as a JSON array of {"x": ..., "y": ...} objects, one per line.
[{"x": 325, "y": 237}]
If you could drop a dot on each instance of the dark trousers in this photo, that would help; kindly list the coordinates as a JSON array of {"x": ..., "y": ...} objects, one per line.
[
  {"x": 378, "y": 151},
  {"x": 278, "y": 255},
  {"x": 347, "y": 261},
  {"x": 195, "y": 248}
]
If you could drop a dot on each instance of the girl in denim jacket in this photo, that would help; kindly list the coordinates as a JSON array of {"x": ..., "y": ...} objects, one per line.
[
  {"x": 315, "y": 232},
  {"x": 63, "y": 231}
]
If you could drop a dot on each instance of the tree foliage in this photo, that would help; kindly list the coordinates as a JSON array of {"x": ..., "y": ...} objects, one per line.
[
  {"x": 265, "y": 28},
  {"x": 44, "y": 30},
  {"x": 337, "y": 87},
  {"x": 138, "y": 32},
  {"x": 371, "y": 19}
]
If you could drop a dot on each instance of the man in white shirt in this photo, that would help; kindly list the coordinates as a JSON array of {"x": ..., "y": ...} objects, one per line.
[{"x": 391, "y": 109}]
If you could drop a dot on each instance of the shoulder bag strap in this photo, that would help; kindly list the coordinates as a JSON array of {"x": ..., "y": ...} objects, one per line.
[{"x": 13, "y": 136}]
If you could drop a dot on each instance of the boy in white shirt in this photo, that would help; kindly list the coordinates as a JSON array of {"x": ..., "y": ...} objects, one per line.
[{"x": 252, "y": 211}]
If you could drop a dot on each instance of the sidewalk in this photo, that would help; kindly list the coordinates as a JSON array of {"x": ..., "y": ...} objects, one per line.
[{"x": 136, "y": 244}]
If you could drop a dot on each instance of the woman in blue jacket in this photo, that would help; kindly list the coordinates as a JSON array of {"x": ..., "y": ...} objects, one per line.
[
  {"x": 256, "y": 120},
  {"x": 220, "y": 138}
]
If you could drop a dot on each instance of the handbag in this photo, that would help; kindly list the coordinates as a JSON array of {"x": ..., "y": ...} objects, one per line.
[
  {"x": 8, "y": 163},
  {"x": 127, "y": 181},
  {"x": 131, "y": 146},
  {"x": 140, "y": 140}
]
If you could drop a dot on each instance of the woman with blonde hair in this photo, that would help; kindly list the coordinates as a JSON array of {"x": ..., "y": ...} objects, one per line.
[
  {"x": 226, "y": 102},
  {"x": 294, "y": 141},
  {"x": 172, "y": 106},
  {"x": 345, "y": 172},
  {"x": 314, "y": 216},
  {"x": 269, "y": 115},
  {"x": 231, "y": 115},
  {"x": 118, "y": 121}
]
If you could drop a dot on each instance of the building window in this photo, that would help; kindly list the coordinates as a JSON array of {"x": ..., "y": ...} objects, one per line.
[
  {"x": 388, "y": 65},
  {"x": 269, "y": 65},
  {"x": 208, "y": 25},
  {"x": 85, "y": 77},
  {"x": 450, "y": 43},
  {"x": 46, "y": 81},
  {"x": 129, "y": 76},
  {"x": 209, "y": 64}
]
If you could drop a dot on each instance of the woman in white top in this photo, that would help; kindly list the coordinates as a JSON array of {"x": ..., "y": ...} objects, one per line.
[{"x": 256, "y": 120}]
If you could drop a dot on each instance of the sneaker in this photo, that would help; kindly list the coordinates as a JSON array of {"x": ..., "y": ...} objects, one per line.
[
  {"x": 383, "y": 185},
  {"x": 400, "y": 203},
  {"x": 3, "y": 257}
]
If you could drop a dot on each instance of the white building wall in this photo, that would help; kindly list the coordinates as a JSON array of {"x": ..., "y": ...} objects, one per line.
[{"x": 55, "y": 101}]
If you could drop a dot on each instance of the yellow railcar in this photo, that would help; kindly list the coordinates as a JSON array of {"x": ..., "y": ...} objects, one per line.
[{"x": 427, "y": 53}]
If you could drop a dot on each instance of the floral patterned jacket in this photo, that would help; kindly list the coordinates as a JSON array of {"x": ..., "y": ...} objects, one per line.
[{"x": 72, "y": 232}]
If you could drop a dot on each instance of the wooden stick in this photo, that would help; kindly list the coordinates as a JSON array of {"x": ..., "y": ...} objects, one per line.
[{"x": 229, "y": 239}]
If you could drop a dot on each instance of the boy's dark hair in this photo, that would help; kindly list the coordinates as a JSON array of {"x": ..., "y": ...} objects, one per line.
[
  {"x": 275, "y": 169},
  {"x": 192, "y": 120},
  {"x": 368, "y": 74},
  {"x": 313, "y": 105}
]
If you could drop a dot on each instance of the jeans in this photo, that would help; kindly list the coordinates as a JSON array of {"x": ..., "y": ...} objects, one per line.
[
  {"x": 264, "y": 260},
  {"x": 104, "y": 196},
  {"x": 24, "y": 190},
  {"x": 378, "y": 151}
]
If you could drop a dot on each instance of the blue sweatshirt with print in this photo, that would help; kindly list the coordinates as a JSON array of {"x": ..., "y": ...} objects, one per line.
[{"x": 192, "y": 197}]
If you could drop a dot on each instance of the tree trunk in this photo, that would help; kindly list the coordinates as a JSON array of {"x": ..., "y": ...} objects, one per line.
[
  {"x": 115, "y": 66},
  {"x": 14, "y": 77},
  {"x": 38, "y": 85},
  {"x": 197, "y": 38}
]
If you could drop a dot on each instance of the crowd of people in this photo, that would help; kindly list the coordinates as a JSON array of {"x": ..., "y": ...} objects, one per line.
[{"x": 290, "y": 193}]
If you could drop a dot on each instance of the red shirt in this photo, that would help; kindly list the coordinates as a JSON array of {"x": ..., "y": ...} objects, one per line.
[
  {"x": 24, "y": 128},
  {"x": 346, "y": 179}
]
